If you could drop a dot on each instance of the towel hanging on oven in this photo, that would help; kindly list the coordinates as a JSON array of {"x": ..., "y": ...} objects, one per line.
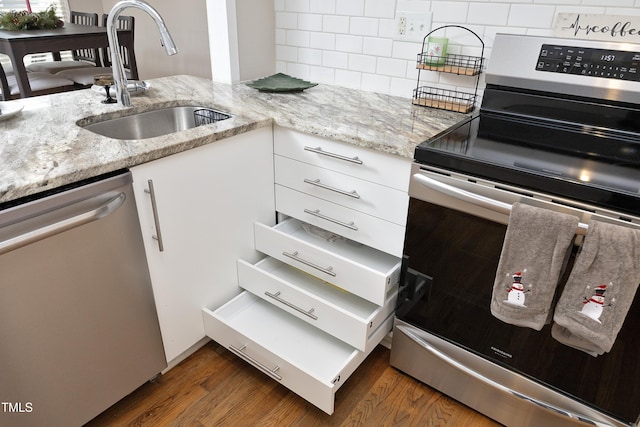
[
  {"x": 534, "y": 252},
  {"x": 600, "y": 289}
]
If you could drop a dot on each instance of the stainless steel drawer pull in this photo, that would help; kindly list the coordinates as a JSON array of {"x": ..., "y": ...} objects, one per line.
[
  {"x": 319, "y": 150},
  {"x": 317, "y": 213},
  {"x": 317, "y": 183},
  {"x": 294, "y": 256},
  {"x": 240, "y": 353},
  {"x": 154, "y": 207},
  {"x": 276, "y": 297}
]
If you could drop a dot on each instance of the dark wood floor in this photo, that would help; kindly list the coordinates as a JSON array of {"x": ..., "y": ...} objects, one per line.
[{"x": 213, "y": 387}]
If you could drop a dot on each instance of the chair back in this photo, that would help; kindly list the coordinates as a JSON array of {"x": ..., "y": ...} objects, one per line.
[
  {"x": 89, "y": 55},
  {"x": 125, "y": 45},
  {"x": 4, "y": 86}
]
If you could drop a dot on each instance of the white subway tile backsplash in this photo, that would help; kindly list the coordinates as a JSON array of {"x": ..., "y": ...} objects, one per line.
[
  {"x": 406, "y": 50},
  {"x": 297, "y": 5},
  {"x": 450, "y": 12},
  {"x": 309, "y": 22},
  {"x": 350, "y": 7},
  {"x": 335, "y": 24},
  {"x": 365, "y": 63},
  {"x": 380, "y": 8},
  {"x": 350, "y": 79},
  {"x": 325, "y": 41},
  {"x": 338, "y": 60},
  {"x": 364, "y": 26},
  {"x": 286, "y": 53},
  {"x": 348, "y": 43},
  {"x": 392, "y": 67},
  {"x": 322, "y": 75},
  {"x": 488, "y": 13},
  {"x": 413, "y": 5},
  {"x": 402, "y": 87},
  {"x": 353, "y": 43},
  {"x": 375, "y": 83},
  {"x": 310, "y": 56},
  {"x": 298, "y": 38},
  {"x": 377, "y": 46},
  {"x": 322, "y": 6},
  {"x": 532, "y": 16},
  {"x": 387, "y": 28}
]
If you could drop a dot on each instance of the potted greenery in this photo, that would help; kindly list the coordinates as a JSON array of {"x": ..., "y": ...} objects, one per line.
[{"x": 28, "y": 20}]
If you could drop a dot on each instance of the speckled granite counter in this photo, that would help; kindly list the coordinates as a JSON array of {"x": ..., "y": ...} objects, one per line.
[{"x": 43, "y": 147}]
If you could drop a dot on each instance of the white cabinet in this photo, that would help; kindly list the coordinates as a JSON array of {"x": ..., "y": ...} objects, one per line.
[
  {"x": 200, "y": 205},
  {"x": 324, "y": 296},
  {"x": 356, "y": 192}
]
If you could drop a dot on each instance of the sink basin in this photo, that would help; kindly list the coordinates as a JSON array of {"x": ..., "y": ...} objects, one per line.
[{"x": 156, "y": 123}]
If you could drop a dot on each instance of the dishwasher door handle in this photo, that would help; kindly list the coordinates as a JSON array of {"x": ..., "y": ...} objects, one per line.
[{"x": 66, "y": 224}]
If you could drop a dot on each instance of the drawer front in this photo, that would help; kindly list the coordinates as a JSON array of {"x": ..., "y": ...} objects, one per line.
[
  {"x": 358, "y": 269},
  {"x": 364, "y": 163},
  {"x": 307, "y": 361},
  {"x": 364, "y": 196},
  {"x": 366, "y": 229},
  {"x": 340, "y": 314}
]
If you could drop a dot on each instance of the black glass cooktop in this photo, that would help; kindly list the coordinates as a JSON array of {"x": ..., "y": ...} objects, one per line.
[{"x": 552, "y": 157}]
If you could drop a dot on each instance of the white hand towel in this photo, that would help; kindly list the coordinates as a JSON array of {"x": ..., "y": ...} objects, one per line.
[
  {"x": 600, "y": 289},
  {"x": 534, "y": 252}
]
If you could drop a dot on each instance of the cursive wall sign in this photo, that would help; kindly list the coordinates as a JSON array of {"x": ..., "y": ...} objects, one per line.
[{"x": 598, "y": 27}]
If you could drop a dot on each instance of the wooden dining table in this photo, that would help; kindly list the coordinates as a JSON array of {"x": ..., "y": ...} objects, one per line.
[{"x": 17, "y": 44}]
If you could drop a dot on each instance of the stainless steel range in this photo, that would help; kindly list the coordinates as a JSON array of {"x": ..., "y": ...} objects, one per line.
[{"x": 558, "y": 129}]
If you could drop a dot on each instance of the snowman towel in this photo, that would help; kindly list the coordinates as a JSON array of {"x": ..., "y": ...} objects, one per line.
[
  {"x": 534, "y": 252},
  {"x": 600, "y": 289}
]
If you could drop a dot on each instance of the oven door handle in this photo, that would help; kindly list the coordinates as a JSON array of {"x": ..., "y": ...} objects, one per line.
[
  {"x": 475, "y": 199},
  {"x": 449, "y": 360}
]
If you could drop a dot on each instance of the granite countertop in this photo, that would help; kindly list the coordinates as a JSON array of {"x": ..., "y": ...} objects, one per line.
[{"x": 43, "y": 147}]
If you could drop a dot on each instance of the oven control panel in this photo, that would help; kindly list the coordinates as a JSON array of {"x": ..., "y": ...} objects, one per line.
[{"x": 610, "y": 64}]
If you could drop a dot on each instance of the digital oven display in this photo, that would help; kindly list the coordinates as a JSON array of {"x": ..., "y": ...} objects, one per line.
[{"x": 610, "y": 64}]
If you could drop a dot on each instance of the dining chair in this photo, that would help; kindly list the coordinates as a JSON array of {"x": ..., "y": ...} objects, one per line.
[
  {"x": 41, "y": 84},
  {"x": 127, "y": 52},
  {"x": 84, "y": 76},
  {"x": 82, "y": 58}
]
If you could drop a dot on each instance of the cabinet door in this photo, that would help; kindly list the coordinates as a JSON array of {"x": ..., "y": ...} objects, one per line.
[{"x": 200, "y": 211}]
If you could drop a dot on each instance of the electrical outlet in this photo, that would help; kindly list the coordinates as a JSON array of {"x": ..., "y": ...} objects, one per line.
[{"x": 412, "y": 26}]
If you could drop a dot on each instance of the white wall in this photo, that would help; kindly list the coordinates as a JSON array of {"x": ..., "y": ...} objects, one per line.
[
  {"x": 187, "y": 23},
  {"x": 350, "y": 42}
]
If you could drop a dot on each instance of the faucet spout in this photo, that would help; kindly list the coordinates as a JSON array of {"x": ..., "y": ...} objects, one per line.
[{"x": 119, "y": 75}]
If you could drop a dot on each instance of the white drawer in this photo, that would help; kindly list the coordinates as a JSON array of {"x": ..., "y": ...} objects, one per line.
[
  {"x": 322, "y": 305},
  {"x": 372, "y": 231},
  {"x": 364, "y": 163},
  {"x": 365, "y": 196},
  {"x": 304, "y": 359},
  {"x": 352, "y": 266}
]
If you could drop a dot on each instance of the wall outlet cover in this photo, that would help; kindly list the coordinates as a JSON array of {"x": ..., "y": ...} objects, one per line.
[{"x": 412, "y": 26}]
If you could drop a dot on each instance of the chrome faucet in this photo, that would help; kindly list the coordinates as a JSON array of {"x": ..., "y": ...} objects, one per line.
[{"x": 119, "y": 75}]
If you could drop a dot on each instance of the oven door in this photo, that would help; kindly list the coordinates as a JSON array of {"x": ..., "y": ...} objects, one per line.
[{"x": 455, "y": 230}]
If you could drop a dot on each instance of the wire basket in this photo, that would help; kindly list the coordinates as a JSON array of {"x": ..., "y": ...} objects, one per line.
[
  {"x": 444, "y": 99},
  {"x": 456, "y": 64},
  {"x": 204, "y": 116}
]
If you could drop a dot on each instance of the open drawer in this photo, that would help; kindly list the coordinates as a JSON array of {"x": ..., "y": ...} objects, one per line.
[
  {"x": 352, "y": 266},
  {"x": 322, "y": 305},
  {"x": 304, "y": 359}
]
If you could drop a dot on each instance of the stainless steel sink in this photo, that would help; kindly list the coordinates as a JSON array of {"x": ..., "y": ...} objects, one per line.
[{"x": 156, "y": 123}]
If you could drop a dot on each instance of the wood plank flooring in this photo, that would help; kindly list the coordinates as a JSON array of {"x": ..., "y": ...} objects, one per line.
[{"x": 213, "y": 387}]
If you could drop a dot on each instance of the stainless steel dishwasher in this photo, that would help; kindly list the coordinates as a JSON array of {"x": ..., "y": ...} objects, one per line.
[{"x": 78, "y": 324}]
